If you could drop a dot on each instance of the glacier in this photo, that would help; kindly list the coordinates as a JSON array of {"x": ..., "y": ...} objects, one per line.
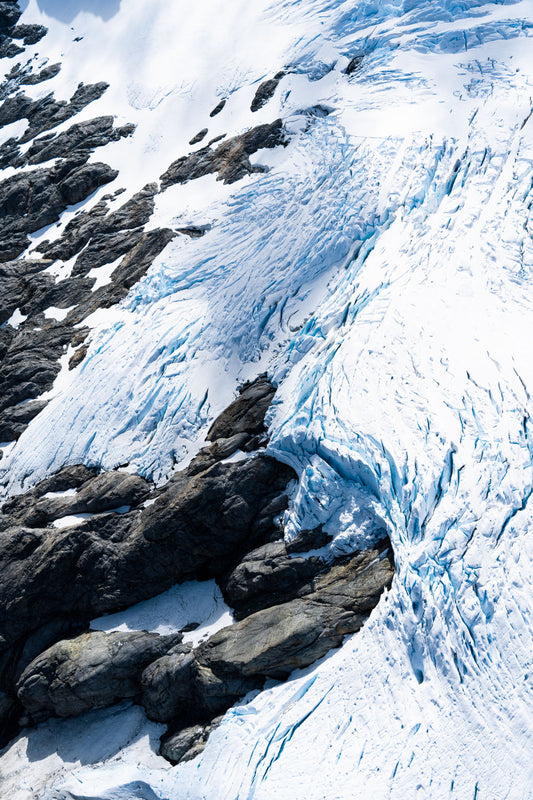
[{"x": 381, "y": 272}]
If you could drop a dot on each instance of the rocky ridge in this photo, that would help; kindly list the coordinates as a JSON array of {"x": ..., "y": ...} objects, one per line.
[
  {"x": 213, "y": 519},
  {"x": 84, "y": 542}
]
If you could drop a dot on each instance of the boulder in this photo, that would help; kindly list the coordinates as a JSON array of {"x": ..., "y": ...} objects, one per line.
[
  {"x": 188, "y": 688},
  {"x": 93, "y": 670},
  {"x": 197, "y": 528},
  {"x": 268, "y": 576}
]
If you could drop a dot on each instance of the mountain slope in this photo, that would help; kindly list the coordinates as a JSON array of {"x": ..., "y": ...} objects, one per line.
[{"x": 375, "y": 259}]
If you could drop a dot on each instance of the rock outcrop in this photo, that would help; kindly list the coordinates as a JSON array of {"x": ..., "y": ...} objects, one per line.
[
  {"x": 265, "y": 91},
  {"x": 93, "y": 670},
  {"x": 271, "y": 643},
  {"x": 231, "y": 159},
  {"x": 272, "y": 574},
  {"x": 197, "y": 527}
]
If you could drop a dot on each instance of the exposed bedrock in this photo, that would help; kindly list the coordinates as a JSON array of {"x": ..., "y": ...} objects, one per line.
[
  {"x": 265, "y": 91},
  {"x": 187, "y": 743},
  {"x": 274, "y": 573},
  {"x": 197, "y": 527},
  {"x": 9, "y": 14},
  {"x": 241, "y": 426},
  {"x": 47, "y": 113},
  {"x": 188, "y": 688},
  {"x": 31, "y": 200},
  {"x": 94, "y": 669},
  {"x": 30, "y": 354},
  {"x": 231, "y": 159}
]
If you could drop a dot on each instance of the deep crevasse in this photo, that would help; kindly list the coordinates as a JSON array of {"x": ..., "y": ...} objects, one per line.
[{"x": 381, "y": 271}]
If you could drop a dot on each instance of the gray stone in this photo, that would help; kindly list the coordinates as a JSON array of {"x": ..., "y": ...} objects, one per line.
[
  {"x": 231, "y": 159},
  {"x": 196, "y": 528},
  {"x": 265, "y": 91},
  {"x": 104, "y": 492},
  {"x": 268, "y": 576},
  {"x": 268, "y": 644},
  {"x": 93, "y": 670},
  {"x": 187, "y": 743},
  {"x": 246, "y": 414}
]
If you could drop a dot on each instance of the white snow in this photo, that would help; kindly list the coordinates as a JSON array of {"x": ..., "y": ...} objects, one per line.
[
  {"x": 382, "y": 273},
  {"x": 16, "y": 319},
  {"x": 184, "y": 604}
]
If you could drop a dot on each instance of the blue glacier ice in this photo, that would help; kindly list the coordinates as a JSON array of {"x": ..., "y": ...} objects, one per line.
[{"x": 381, "y": 271}]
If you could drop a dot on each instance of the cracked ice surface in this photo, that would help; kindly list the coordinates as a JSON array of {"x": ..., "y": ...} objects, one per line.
[{"x": 382, "y": 272}]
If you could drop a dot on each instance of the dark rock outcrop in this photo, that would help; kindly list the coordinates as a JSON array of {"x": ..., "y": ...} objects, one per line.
[
  {"x": 93, "y": 670},
  {"x": 199, "y": 136},
  {"x": 31, "y": 34},
  {"x": 197, "y": 527},
  {"x": 247, "y": 413},
  {"x": 32, "y": 78},
  {"x": 218, "y": 108},
  {"x": 105, "y": 492},
  {"x": 231, "y": 159},
  {"x": 265, "y": 91},
  {"x": 271, "y": 643},
  {"x": 32, "y": 200},
  {"x": 187, "y": 743},
  {"x": 354, "y": 65},
  {"x": 268, "y": 576},
  {"x": 241, "y": 426},
  {"x": 47, "y": 113},
  {"x": 9, "y": 15}
]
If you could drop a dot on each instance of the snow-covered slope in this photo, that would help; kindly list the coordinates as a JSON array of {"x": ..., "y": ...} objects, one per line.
[{"x": 381, "y": 272}]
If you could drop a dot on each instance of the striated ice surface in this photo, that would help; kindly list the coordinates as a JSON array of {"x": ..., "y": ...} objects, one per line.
[{"x": 382, "y": 273}]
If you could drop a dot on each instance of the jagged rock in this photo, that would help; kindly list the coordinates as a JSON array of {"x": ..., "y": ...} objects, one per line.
[
  {"x": 193, "y": 231},
  {"x": 99, "y": 224},
  {"x": 265, "y": 91},
  {"x": 47, "y": 113},
  {"x": 218, "y": 451},
  {"x": 105, "y": 492},
  {"x": 20, "y": 284},
  {"x": 268, "y": 644},
  {"x": 199, "y": 136},
  {"x": 354, "y": 65},
  {"x": 31, "y": 34},
  {"x": 231, "y": 159},
  {"x": 218, "y": 108},
  {"x": 197, "y": 527},
  {"x": 69, "y": 477},
  {"x": 9, "y": 15},
  {"x": 93, "y": 670},
  {"x": 78, "y": 356},
  {"x": 247, "y": 413},
  {"x": 219, "y": 514},
  {"x": 8, "y": 48},
  {"x": 268, "y": 576},
  {"x": 187, "y": 743},
  {"x": 44, "y": 75},
  {"x": 31, "y": 364},
  {"x": 129, "y": 271},
  {"x": 14, "y": 421},
  {"x": 80, "y": 139},
  {"x": 34, "y": 199}
]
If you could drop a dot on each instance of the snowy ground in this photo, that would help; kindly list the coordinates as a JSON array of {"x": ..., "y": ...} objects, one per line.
[{"x": 381, "y": 271}]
